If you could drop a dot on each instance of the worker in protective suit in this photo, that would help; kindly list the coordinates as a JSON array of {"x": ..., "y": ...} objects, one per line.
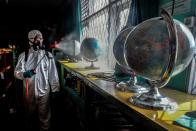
[{"x": 38, "y": 71}]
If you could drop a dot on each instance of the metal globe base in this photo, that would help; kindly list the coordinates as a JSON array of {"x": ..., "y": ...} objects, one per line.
[
  {"x": 131, "y": 86},
  {"x": 153, "y": 100},
  {"x": 92, "y": 67}
]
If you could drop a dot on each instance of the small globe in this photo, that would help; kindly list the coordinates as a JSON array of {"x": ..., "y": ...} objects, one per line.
[{"x": 90, "y": 49}]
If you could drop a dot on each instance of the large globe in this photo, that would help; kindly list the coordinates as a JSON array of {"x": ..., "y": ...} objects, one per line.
[
  {"x": 118, "y": 47},
  {"x": 148, "y": 48},
  {"x": 90, "y": 49},
  {"x": 158, "y": 49},
  {"x": 118, "y": 50}
]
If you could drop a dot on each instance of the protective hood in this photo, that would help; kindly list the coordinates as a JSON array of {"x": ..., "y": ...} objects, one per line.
[{"x": 36, "y": 39}]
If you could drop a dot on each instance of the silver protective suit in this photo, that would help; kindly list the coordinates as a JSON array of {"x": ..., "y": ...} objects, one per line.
[{"x": 37, "y": 88}]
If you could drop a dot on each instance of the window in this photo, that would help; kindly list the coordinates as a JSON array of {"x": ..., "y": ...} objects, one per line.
[{"x": 103, "y": 19}]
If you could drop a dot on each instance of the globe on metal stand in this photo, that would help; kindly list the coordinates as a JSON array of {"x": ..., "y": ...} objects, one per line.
[
  {"x": 118, "y": 51},
  {"x": 132, "y": 86},
  {"x": 158, "y": 49},
  {"x": 90, "y": 51}
]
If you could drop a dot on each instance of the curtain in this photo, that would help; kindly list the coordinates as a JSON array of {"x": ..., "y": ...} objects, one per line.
[
  {"x": 77, "y": 20},
  {"x": 141, "y": 10}
]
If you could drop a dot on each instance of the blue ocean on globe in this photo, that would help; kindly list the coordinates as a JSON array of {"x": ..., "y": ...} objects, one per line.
[{"x": 90, "y": 49}]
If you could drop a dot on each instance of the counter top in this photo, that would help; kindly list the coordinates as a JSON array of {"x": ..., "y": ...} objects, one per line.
[{"x": 164, "y": 119}]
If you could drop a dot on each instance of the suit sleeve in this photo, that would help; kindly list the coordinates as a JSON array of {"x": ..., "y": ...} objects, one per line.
[
  {"x": 19, "y": 69},
  {"x": 53, "y": 75}
]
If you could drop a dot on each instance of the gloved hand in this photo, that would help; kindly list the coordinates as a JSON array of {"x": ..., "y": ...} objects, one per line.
[{"x": 29, "y": 73}]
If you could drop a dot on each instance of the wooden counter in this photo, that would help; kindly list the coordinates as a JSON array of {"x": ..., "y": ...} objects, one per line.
[{"x": 160, "y": 119}]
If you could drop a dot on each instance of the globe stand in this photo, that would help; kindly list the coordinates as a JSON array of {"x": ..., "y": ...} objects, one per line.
[
  {"x": 131, "y": 85},
  {"x": 92, "y": 66},
  {"x": 153, "y": 100}
]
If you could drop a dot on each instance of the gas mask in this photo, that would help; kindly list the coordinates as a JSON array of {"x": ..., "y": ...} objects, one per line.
[
  {"x": 37, "y": 44},
  {"x": 36, "y": 40},
  {"x": 38, "y": 47}
]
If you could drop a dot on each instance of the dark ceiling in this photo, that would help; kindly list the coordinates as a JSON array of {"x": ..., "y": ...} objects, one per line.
[{"x": 17, "y": 17}]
